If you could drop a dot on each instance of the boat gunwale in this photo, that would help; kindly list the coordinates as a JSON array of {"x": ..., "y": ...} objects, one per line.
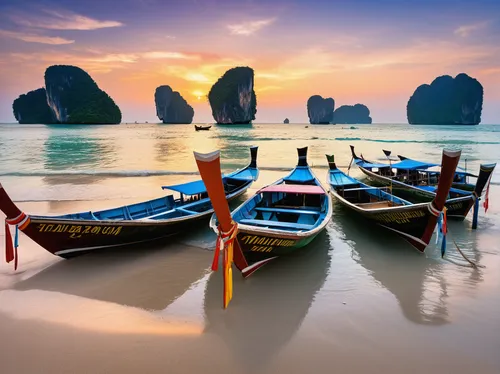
[{"x": 137, "y": 222}]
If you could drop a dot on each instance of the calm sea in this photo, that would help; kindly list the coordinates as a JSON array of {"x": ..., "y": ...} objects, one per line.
[{"x": 358, "y": 300}]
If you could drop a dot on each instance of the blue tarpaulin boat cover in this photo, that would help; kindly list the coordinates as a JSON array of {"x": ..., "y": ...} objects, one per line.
[
  {"x": 196, "y": 187},
  {"x": 190, "y": 188},
  {"x": 300, "y": 174},
  {"x": 412, "y": 165}
]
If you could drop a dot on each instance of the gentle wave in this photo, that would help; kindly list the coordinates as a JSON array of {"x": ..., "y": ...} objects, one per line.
[{"x": 456, "y": 141}]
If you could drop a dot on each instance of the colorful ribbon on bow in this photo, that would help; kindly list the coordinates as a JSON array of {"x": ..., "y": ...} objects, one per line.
[
  {"x": 21, "y": 222},
  {"x": 487, "y": 196},
  {"x": 475, "y": 215},
  {"x": 225, "y": 242}
]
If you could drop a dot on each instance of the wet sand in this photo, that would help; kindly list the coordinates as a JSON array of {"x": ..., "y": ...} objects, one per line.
[{"x": 357, "y": 300}]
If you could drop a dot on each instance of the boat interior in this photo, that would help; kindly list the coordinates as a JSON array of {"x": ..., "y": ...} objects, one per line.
[
  {"x": 296, "y": 204},
  {"x": 191, "y": 198},
  {"x": 362, "y": 195}
]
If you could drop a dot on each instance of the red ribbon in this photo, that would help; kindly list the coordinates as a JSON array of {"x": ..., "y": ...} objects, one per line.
[
  {"x": 487, "y": 197},
  {"x": 9, "y": 246}
]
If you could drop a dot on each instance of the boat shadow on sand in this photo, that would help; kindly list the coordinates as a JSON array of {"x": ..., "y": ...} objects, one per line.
[
  {"x": 419, "y": 282},
  {"x": 267, "y": 308},
  {"x": 148, "y": 276}
]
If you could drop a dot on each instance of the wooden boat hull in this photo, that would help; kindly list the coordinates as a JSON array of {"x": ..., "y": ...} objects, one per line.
[
  {"x": 414, "y": 223},
  {"x": 259, "y": 248},
  {"x": 70, "y": 238}
]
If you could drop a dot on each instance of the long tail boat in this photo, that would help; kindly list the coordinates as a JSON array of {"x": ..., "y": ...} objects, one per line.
[
  {"x": 413, "y": 222},
  {"x": 278, "y": 220},
  {"x": 415, "y": 183},
  {"x": 74, "y": 234},
  {"x": 200, "y": 128}
]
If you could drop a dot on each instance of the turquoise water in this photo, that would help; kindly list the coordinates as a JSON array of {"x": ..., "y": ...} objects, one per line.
[
  {"x": 43, "y": 162},
  {"x": 358, "y": 299}
]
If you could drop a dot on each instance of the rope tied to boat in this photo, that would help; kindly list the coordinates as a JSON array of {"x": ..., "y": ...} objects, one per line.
[
  {"x": 20, "y": 222},
  {"x": 225, "y": 242},
  {"x": 442, "y": 231}
]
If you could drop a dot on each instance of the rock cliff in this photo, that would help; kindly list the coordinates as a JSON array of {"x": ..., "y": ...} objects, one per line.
[
  {"x": 232, "y": 98},
  {"x": 447, "y": 101},
  {"x": 32, "y": 108},
  {"x": 74, "y": 97},
  {"x": 171, "y": 106},
  {"x": 352, "y": 114},
  {"x": 319, "y": 110}
]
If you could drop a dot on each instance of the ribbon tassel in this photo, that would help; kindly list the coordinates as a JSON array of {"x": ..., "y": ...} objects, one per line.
[
  {"x": 487, "y": 197},
  {"x": 225, "y": 243},
  {"x": 9, "y": 247}
]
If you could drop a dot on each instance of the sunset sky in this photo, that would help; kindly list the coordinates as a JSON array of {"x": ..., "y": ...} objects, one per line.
[{"x": 370, "y": 52}]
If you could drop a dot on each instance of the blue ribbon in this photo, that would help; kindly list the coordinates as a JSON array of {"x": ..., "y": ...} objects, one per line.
[
  {"x": 440, "y": 235},
  {"x": 476, "y": 213},
  {"x": 439, "y": 228},
  {"x": 16, "y": 238}
]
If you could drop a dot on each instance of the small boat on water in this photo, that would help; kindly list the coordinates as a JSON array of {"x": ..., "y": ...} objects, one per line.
[
  {"x": 201, "y": 128},
  {"x": 413, "y": 222},
  {"x": 278, "y": 220},
  {"x": 415, "y": 182},
  {"x": 74, "y": 234}
]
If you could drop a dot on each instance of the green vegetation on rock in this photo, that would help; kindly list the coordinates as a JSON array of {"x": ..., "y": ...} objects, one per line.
[
  {"x": 447, "y": 101},
  {"x": 74, "y": 97},
  {"x": 232, "y": 98},
  {"x": 352, "y": 114},
  {"x": 32, "y": 108},
  {"x": 319, "y": 110}
]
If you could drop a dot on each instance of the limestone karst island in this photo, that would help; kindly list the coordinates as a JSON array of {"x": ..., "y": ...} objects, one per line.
[{"x": 70, "y": 96}]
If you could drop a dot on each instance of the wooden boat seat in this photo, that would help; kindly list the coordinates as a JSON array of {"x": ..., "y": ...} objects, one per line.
[
  {"x": 262, "y": 222},
  {"x": 376, "y": 205},
  {"x": 282, "y": 210}
]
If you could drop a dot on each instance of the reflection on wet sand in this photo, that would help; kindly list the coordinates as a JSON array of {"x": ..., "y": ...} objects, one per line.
[
  {"x": 419, "y": 283},
  {"x": 402, "y": 271},
  {"x": 269, "y": 307},
  {"x": 149, "y": 277}
]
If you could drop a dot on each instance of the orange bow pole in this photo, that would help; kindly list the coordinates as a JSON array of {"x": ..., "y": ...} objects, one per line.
[{"x": 209, "y": 167}]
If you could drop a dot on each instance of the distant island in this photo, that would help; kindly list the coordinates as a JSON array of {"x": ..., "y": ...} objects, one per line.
[
  {"x": 232, "y": 98},
  {"x": 286, "y": 120},
  {"x": 71, "y": 96},
  {"x": 319, "y": 110},
  {"x": 352, "y": 114},
  {"x": 32, "y": 108},
  {"x": 447, "y": 101},
  {"x": 171, "y": 106}
]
